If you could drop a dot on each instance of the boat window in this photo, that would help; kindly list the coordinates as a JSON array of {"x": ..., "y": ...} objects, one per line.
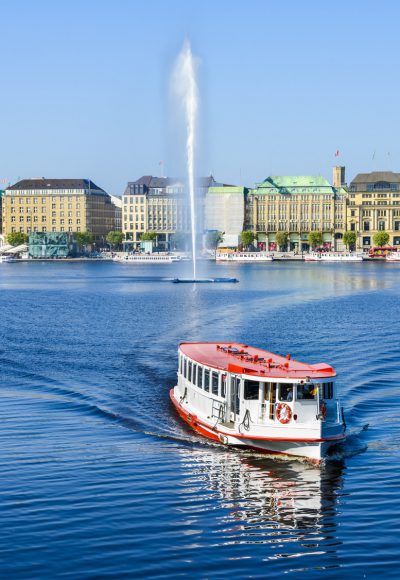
[
  {"x": 251, "y": 390},
  {"x": 189, "y": 376},
  {"x": 214, "y": 383},
  {"x": 223, "y": 386},
  {"x": 200, "y": 378},
  {"x": 327, "y": 390},
  {"x": 180, "y": 363},
  {"x": 307, "y": 391},
  {"x": 206, "y": 380},
  {"x": 285, "y": 392},
  {"x": 194, "y": 374},
  {"x": 184, "y": 367}
]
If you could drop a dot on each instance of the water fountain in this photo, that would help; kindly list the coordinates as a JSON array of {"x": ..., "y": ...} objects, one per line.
[{"x": 185, "y": 87}]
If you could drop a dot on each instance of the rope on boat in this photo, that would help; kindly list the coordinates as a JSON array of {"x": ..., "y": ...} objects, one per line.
[
  {"x": 246, "y": 421},
  {"x": 221, "y": 416},
  {"x": 183, "y": 396}
]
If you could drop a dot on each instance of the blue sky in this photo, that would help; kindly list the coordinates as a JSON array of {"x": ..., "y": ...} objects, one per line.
[{"x": 283, "y": 85}]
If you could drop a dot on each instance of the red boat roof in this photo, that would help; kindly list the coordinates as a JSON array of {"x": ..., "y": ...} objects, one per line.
[{"x": 243, "y": 359}]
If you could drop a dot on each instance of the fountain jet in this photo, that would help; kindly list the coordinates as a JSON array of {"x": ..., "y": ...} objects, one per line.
[{"x": 185, "y": 86}]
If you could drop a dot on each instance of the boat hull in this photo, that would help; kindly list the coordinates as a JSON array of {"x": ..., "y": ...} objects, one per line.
[{"x": 312, "y": 449}]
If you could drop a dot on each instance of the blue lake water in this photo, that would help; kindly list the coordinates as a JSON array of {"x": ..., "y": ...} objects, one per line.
[{"x": 100, "y": 478}]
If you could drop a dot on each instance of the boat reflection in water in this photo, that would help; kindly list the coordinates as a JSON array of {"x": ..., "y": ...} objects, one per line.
[{"x": 290, "y": 506}]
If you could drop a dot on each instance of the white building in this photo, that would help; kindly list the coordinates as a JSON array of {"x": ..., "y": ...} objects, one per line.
[{"x": 225, "y": 212}]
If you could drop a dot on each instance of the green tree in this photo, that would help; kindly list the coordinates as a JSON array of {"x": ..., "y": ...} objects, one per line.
[
  {"x": 17, "y": 238},
  {"x": 84, "y": 239},
  {"x": 115, "y": 238},
  {"x": 350, "y": 239},
  {"x": 148, "y": 236},
  {"x": 247, "y": 237},
  {"x": 315, "y": 239},
  {"x": 213, "y": 239},
  {"x": 282, "y": 239},
  {"x": 381, "y": 239}
]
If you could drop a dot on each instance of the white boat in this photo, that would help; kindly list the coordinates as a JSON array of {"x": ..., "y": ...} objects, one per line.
[
  {"x": 156, "y": 258},
  {"x": 393, "y": 257},
  {"x": 243, "y": 257},
  {"x": 247, "y": 397},
  {"x": 7, "y": 259},
  {"x": 332, "y": 257}
]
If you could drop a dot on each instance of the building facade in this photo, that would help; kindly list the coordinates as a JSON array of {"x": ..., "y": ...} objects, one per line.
[
  {"x": 58, "y": 205},
  {"x": 297, "y": 205},
  {"x": 160, "y": 205},
  {"x": 224, "y": 211},
  {"x": 374, "y": 206}
]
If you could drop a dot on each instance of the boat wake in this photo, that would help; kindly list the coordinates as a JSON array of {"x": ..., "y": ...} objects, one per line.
[{"x": 353, "y": 445}]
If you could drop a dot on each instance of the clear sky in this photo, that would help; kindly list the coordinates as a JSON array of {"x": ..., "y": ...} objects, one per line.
[{"x": 283, "y": 85}]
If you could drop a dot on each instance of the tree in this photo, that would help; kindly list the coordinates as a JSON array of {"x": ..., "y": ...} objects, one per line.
[
  {"x": 381, "y": 239},
  {"x": 350, "y": 239},
  {"x": 315, "y": 239},
  {"x": 115, "y": 238},
  {"x": 213, "y": 239},
  {"x": 17, "y": 239},
  {"x": 282, "y": 239},
  {"x": 148, "y": 236},
  {"x": 84, "y": 239},
  {"x": 247, "y": 237}
]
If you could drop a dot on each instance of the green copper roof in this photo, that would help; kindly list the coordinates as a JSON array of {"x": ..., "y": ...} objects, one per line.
[{"x": 296, "y": 184}]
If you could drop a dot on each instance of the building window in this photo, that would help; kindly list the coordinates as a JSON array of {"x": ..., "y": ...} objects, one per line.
[
  {"x": 381, "y": 226},
  {"x": 397, "y": 226},
  {"x": 366, "y": 226},
  {"x": 353, "y": 227},
  {"x": 367, "y": 241}
]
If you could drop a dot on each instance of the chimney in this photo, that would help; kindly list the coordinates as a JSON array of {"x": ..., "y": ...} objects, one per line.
[{"x": 339, "y": 176}]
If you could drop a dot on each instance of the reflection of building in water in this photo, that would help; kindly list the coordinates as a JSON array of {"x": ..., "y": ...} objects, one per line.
[{"x": 272, "y": 495}]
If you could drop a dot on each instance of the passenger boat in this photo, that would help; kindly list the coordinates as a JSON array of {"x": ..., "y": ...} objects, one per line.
[
  {"x": 393, "y": 257},
  {"x": 7, "y": 259},
  {"x": 243, "y": 257},
  {"x": 247, "y": 397},
  {"x": 156, "y": 258},
  {"x": 332, "y": 257}
]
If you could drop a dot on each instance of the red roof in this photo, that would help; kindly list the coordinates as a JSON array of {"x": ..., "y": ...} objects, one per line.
[{"x": 243, "y": 359}]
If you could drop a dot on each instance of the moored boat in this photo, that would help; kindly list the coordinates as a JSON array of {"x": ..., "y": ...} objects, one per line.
[
  {"x": 247, "y": 397},
  {"x": 332, "y": 257},
  {"x": 7, "y": 259},
  {"x": 393, "y": 257},
  {"x": 156, "y": 258},
  {"x": 243, "y": 257}
]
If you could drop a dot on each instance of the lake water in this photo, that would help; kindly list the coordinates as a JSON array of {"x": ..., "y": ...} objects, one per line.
[{"x": 101, "y": 479}]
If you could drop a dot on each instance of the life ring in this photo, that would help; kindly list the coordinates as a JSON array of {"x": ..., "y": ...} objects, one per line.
[{"x": 283, "y": 413}]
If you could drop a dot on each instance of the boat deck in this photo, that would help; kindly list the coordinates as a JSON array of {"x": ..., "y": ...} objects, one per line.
[{"x": 243, "y": 359}]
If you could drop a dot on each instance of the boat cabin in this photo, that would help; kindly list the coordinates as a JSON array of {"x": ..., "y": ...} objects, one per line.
[{"x": 234, "y": 383}]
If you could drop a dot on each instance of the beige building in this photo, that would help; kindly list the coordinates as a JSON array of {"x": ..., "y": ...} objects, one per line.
[
  {"x": 298, "y": 205},
  {"x": 58, "y": 205},
  {"x": 160, "y": 205},
  {"x": 374, "y": 205}
]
